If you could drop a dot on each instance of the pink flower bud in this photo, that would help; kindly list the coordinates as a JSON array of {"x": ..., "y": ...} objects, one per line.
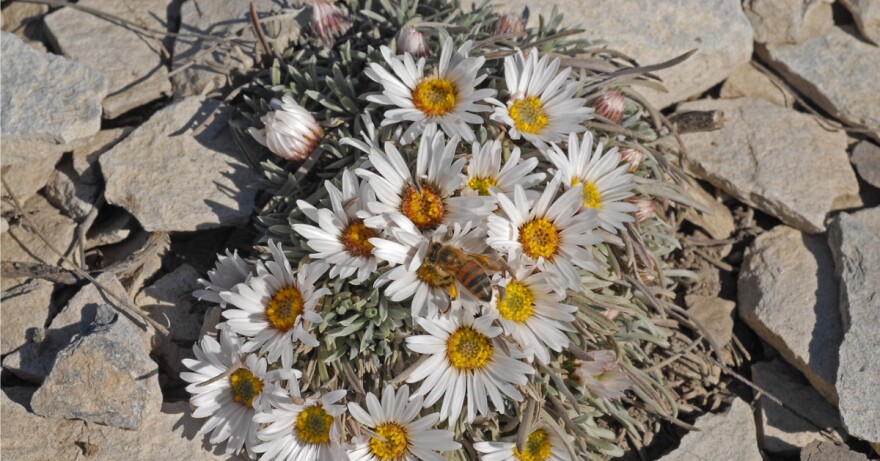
[
  {"x": 329, "y": 21},
  {"x": 290, "y": 131}
]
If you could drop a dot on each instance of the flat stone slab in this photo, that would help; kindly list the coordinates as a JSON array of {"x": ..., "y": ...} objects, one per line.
[
  {"x": 866, "y": 158},
  {"x": 749, "y": 81},
  {"x": 836, "y": 71},
  {"x": 47, "y": 101},
  {"x": 788, "y": 21},
  {"x": 132, "y": 63},
  {"x": 785, "y": 432},
  {"x": 171, "y": 434},
  {"x": 103, "y": 376},
  {"x": 855, "y": 243},
  {"x": 867, "y": 16},
  {"x": 728, "y": 436},
  {"x": 827, "y": 451},
  {"x": 25, "y": 307},
  {"x": 718, "y": 29},
  {"x": 774, "y": 159},
  {"x": 181, "y": 170},
  {"x": 715, "y": 313},
  {"x": 21, "y": 244},
  {"x": 217, "y": 17},
  {"x": 788, "y": 295}
]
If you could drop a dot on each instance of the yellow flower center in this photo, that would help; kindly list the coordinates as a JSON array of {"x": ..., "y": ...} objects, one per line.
[
  {"x": 528, "y": 115},
  {"x": 468, "y": 349},
  {"x": 537, "y": 447},
  {"x": 356, "y": 239},
  {"x": 245, "y": 386},
  {"x": 435, "y": 96},
  {"x": 284, "y": 307},
  {"x": 312, "y": 425},
  {"x": 395, "y": 444},
  {"x": 539, "y": 238},
  {"x": 481, "y": 185},
  {"x": 518, "y": 302},
  {"x": 426, "y": 209},
  {"x": 591, "y": 196}
]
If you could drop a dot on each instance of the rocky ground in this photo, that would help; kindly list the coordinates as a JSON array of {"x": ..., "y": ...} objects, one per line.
[{"x": 116, "y": 154}]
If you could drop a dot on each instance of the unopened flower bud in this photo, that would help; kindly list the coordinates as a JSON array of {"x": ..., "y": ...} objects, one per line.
[
  {"x": 633, "y": 157},
  {"x": 510, "y": 24},
  {"x": 610, "y": 104},
  {"x": 290, "y": 131},
  {"x": 329, "y": 21},
  {"x": 410, "y": 40},
  {"x": 646, "y": 209}
]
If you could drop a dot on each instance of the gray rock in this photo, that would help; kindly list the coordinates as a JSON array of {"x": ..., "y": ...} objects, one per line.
[
  {"x": 816, "y": 68},
  {"x": 209, "y": 324},
  {"x": 87, "y": 152},
  {"x": 75, "y": 198},
  {"x": 47, "y": 101},
  {"x": 114, "y": 229},
  {"x": 169, "y": 301},
  {"x": 131, "y": 61},
  {"x": 25, "y": 308},
  {"x": 643, "y": 30},
  {"x": 4, "y": 225},
  {"x": 715, "y": 314},
  {"x": 855, "y": 242},
  {"x": 139, "y": 241},
  {"x": 788, "y": 21},
  {"x": 866, "y": 158},
  {"x": 104, "y": 376},
  {"x": 774, "y": 159},
  {"x": 21, "y": 244},
  {"x": 749, "y": 81},
  {"x": 219, "y": 17},
  {"x": 788, "y": 296},
  {"x": 35, "y": 359},
  {"x": 728, "y": 436},
  {"x": 171, "y": 434},
  {"x": 26, "y": 179},
  {"x": 717, "y": 222},
  {"x": 181, "y": 170},
  {"x": 867, "y": 16},
  {"x": 827, "y": 451},
  {"x": 786, "y": 432}
]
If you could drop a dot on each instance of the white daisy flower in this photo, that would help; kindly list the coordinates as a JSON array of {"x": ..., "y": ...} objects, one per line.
[
  {"x": 289, "y": 131},
  {"x": 341, "y": 238},
  {"x": 271, "y": 308},
  {"x": 432, "y": 289},
  {"x": 230, "y": 402},
  {"x": 302, "y": 432},
  {"x": 602, "y": 376},
  {"x": 540, "y": 106},
  {"x": 550, "y": 234},
  {"x": 432, "y": 203},
  {"x": 448, "y": 98},
  {"x": 543, "y": 444},
  {"x": 532, "y": 312},
  {"x": 467, "y": 365},
  {"x": 229, "y": 271},
  {"x": 606, "y": 184},
  {"x": 402, "y": 437},
  {"x": 485, "y": 170}
]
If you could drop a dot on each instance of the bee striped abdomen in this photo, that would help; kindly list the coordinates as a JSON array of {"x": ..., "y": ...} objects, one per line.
[{"x": 474, "y": 278}]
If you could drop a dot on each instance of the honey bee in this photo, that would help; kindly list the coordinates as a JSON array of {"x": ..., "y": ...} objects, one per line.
[{"x": 467, "y": 268}]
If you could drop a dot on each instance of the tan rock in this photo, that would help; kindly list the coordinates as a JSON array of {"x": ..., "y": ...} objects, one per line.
[
  {"x": 788, "y": 21},
  {"x": 867, "y": 16},
  {"x": 171, "y": 434},
  {"x": 725, "y": 436},
  {"x": 749, "y": 81},
  {"x": 25, "y": 307},
  {"x": 836, "y": 71},
  {"x": 774, "y": 159},
  {"x": 787, "y": 294},
  {"x": 716, "y": 314}
]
